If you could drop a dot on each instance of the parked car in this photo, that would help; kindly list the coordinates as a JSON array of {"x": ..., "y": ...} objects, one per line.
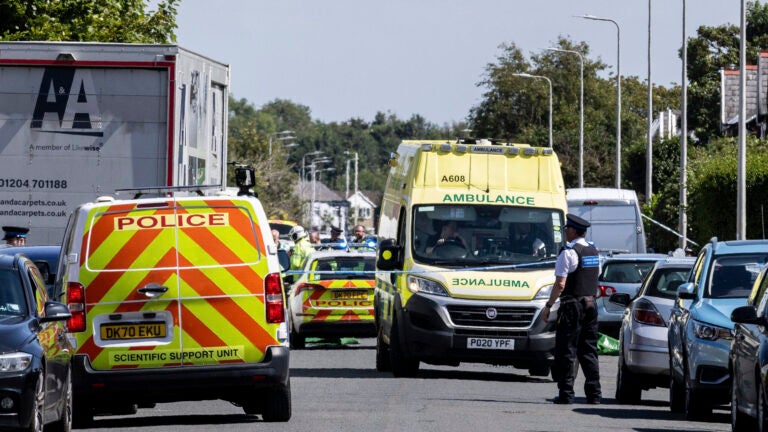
[
  {"x": 620, "y": 273},
  {"x": 336, "y": 301},
  {"x": 35, "y": 352},
  {"x": 643, "y": 352},
  {"x": 748, "y": 357},
  {"x": 700, "y": 328},
  {"x": 47, "y": 260}
]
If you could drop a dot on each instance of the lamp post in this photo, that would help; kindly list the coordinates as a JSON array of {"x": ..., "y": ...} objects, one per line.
[
  {"x": 618, "y": 92},
  {"x": 649, "y": 146},
  {"x": 280, "y": 136},
  {"x": 684, "y": 144},
  {"x": 527, "y": 75},
  {"x": 356, "y": 159},
  {"x": 581, "y": 112},
  {"x": 741, "y": 183}
]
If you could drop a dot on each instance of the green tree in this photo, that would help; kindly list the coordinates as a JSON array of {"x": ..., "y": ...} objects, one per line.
[{"x": 125, "y": 21}]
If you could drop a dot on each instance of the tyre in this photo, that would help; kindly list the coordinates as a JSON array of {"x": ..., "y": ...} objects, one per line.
[
  {"x": 696, "y": 406},
  {"x": 277, "y": 405},
  {"x": 382, "y": 353},
  {"x": 402, "y": 365},
  {"x": 297, "y": 341},
  {"x": 740, "y": 422},
  {"x": 64, "y": 423},
  {"x": 628, "y": 390},
  {"x": 36, "y": 421},
  {"x": 676, "y": 392},
  {"x": 82, "y": 413}
]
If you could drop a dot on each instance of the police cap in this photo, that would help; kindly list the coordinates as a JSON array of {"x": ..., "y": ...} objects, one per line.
[
  {"x": 576, "y": 222},
  {"x": 336, "y": 230},
  {"x": 12, "y": 232}
]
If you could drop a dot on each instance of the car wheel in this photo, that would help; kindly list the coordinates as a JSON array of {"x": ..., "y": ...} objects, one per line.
[
  {"x": 696, "y": 407},
  {"x": 627, "y": 388},
  {"x": 402, "y": 365},
  {"x": 297, "y": 341},
  {"x": 36, "y": 421},
  {"x": 277, "y": 405},
  {"x": 64, "y": 423},
  {"x": 676, "y": 391},
  {"x": 739, "y": 420},
  {"x": 382, "y": 353},
  {"x": 82, "y": 413},
  {"x": 762, "y": 407}
]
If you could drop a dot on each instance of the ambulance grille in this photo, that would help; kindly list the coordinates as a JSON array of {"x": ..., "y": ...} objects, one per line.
[{"x": 506, "y": 317}]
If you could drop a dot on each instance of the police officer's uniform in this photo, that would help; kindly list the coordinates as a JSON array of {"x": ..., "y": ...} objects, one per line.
[
  {"x": 577, "y": 334},
  {"x": 15, "y": 236}
]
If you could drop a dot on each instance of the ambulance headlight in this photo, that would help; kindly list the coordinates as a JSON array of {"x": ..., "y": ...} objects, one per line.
[
  {"x": 14, "y": 362},
  {"x": 425, "y": 286},
  {"x": 544, "y": 292}
]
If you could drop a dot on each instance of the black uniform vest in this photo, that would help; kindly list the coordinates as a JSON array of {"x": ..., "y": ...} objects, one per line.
[{"x": 583, "y": 280}]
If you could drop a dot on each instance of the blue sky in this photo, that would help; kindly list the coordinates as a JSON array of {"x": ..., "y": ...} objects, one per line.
[{"x": 352, "y": 58}]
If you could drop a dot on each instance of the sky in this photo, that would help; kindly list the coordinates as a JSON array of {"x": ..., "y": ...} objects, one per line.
[{"x": 353, "y": 58}]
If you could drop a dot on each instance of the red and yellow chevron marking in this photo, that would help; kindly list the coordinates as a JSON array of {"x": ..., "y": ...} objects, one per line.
[
  {"x": 206, "y": 252},
  {"x": 325, "y": 305}
]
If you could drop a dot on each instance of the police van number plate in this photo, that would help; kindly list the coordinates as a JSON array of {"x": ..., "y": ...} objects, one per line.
[
  {"x": 147, "y": 330},
  {"x": 489, "y": 343},
  {"x": 350, "y": 295}
]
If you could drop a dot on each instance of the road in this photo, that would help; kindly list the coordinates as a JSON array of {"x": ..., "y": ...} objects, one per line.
[{"x": 337, "y": 388}]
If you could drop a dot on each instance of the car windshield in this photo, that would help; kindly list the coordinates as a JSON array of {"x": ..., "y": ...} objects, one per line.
[
  {"x": 470, "y": 235},
  {"x": 626, "y": 271},
  {"x": 733, "y": 275},
  {"x": 352, "y": 267},
  {"x": 665, "y": 280},
  {"x": 12, "y": 300}
]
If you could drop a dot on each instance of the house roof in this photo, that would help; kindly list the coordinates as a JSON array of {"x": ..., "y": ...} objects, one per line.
[{"x": 322, "y": 192}]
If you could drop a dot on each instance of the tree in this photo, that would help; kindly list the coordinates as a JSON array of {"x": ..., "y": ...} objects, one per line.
[{"x": 125, "y": 21}]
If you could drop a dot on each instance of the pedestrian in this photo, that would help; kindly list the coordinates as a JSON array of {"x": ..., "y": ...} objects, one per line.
[
  {"x": 15, "y": 236},
  {"x": 359, "y": 234},
  {"x": 576, "y": 273},
  {"x": 314, "y": 238},
  {"x": 301, "y": 247}
]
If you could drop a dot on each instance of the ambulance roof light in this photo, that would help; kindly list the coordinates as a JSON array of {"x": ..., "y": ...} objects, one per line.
[
  {"x": 461, "y": 148},
  {"x": 547, "y": 151},
  {"x": 529, "y": 151},
  {"x": 426, "y": 147},
  {"x": 513, "y": 150},
  {"x": 445, "y": 147}
]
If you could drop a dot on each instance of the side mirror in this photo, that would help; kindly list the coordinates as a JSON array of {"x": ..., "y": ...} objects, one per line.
[
  {"x": 746, "y": 315},
  {"x": 390, "y": 255},
  {"x": 621, "y": 299},
  {"x": 55, "y": 311},
  {"x": 687, "y": 291},
  {"x": 283, "y": 259}
]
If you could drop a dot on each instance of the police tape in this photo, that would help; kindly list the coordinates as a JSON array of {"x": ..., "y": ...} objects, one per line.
[{"x": 421, "y": 271}]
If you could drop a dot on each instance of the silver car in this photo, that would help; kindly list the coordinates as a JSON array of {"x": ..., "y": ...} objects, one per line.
[
  {"x": 643, "y": 349},
  {"x": 621, "y": 273}
]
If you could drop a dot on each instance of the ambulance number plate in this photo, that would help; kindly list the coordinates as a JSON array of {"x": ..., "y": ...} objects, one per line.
[
  {"x": 145, "y": 330},
  {"x": 350, "y": 295},
  {"x": 489, "y": 343}
]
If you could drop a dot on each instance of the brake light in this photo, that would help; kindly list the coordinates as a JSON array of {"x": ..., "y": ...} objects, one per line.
[
  {"x": 273, "y": 293},
  {"x": 76, "y": 304},
  {"x": 605, "y": 291},
  {"x": 645, "y": 312}
]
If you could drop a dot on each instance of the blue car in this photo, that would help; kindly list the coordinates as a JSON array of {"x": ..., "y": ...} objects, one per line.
[{"x": 700, "y": 328}]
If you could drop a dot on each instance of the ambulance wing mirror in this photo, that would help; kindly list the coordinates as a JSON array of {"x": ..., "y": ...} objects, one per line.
[{"x": 390, "y": 255}]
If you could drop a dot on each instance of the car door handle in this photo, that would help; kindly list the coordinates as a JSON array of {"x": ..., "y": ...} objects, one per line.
[{"x": 152, "y": 290}]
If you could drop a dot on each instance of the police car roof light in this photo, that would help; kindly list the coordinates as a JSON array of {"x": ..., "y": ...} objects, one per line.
[{"x": 168, "y": 190}]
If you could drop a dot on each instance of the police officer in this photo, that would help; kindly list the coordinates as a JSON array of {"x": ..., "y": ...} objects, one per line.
[
  {"x": 15, "y": 236},
  {"x": 336, "y": 241},
  {"x": 576, "y": 272},
  {"x": 301, "y": 247}
]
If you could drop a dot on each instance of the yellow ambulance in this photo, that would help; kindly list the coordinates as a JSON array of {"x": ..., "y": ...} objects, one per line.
[
  {"x": 175, "y": 298},
  {"x": 469, "y": 235}
]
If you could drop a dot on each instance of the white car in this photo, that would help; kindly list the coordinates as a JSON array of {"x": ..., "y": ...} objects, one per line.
[{"x": 643, "y": 348}]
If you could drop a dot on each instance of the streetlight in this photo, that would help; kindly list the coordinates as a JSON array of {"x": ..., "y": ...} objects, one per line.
[
  {"x": 280, "y": 136},
  {"x": 346, "y": 152},
  {"x": 581, "y": 113},
  {"x": 649, "y": 146},
  {"x": 684, "y": 143},
  {"x": 302, "y": 171},
  {"x": 314, "y": 171},
  {"x": 527, "y": 75},
  {"x": 618, "y": 92}
]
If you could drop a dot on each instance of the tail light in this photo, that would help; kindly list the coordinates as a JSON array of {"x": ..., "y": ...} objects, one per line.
[
  {"x": 605, "y": 291},
  {"x": 273, "y": 290},
  {"x": 76, "y": 304},
  {"x": 644, "y": 312}
]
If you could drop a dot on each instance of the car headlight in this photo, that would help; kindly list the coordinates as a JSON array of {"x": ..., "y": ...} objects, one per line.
[
  {"x": 711, "y": 332},
  {"x": 544, "y": 293},
  {"x": 15, "y": 362},
  {"x": 426, "y": 286}
]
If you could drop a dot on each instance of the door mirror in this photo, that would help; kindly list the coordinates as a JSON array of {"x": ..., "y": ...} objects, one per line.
[
  {"x": 390, "y": 255},
  {"x": 687, "y": 291},
  {"x": 55, "y": 311},
  {"x": 621, "y": 299},
  {"x": 746, "y": 315}
]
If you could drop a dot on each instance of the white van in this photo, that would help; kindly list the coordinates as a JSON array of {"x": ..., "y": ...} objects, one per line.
[{"x": 617, "y": 224}]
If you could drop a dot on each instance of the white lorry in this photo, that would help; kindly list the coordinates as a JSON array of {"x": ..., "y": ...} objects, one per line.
[
  {"x": 80, "y": 119},
  {"x": 617, "y": 223}
]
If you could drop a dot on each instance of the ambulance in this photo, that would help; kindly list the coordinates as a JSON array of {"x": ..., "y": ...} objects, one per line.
[
  {"x": 469, "y": 234},
  {"x": 175, "y": 298}
]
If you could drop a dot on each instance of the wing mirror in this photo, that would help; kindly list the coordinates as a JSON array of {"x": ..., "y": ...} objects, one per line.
[
  {"x": 55, "y": 311},
  {"x": 390, "y": 255},
  {"x": 621, "y": 299},
  {"x": 686, "y": 291},
  {"x": 746, "y": 315}
]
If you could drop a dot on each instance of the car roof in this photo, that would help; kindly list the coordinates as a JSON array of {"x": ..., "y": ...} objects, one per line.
[
  {"x": 738, "y": 246},
  {"x": 341, "y": 254},
  {"x": 7, "y": 261},
  {"x": 635, "y": 257},
  {"x": 677, "y": 262}
]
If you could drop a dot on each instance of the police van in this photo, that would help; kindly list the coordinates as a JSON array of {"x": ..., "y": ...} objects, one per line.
[
  {"x": 468, "y": 238},
  {"x": 175, "y": 298}
]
